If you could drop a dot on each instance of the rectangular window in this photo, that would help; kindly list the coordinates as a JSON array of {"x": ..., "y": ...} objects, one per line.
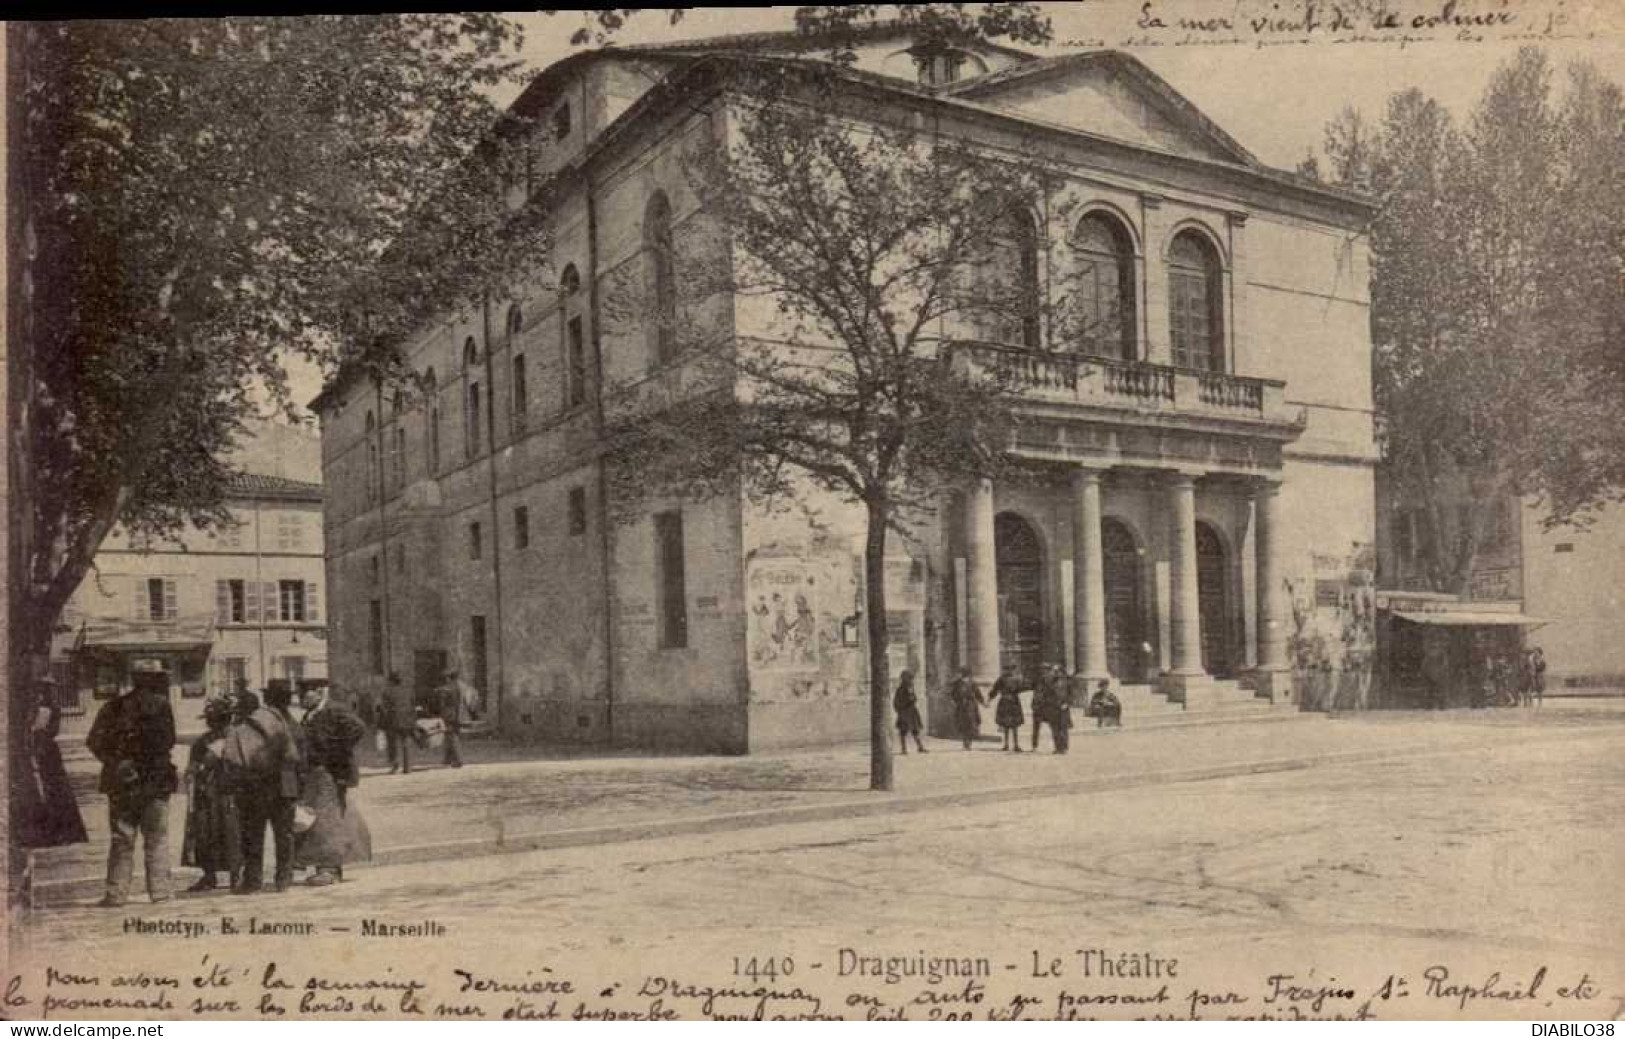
[
  {"x": 471, "y": 417},
  {"x": 474, "y": 544},
  {"x": 231, "y": 602},
  {"x": 229, "y": 537},
  {"x": 293, "y": 668},
  {"x": 576, "y": 358},
  {"x": 291, "y": 600},
  {"x": 157, "y": 600},
  {"x": 578, "y": 510},
  {"x": 397, "y": 459},
  {"x": 375, "y": 635},
  {"x": 481, "y": 675},
  {"x": 671, "y": 592},
  {"x": 521, "y": 393},
  {"x": 521, "y": 527},
  {"x": 372, "y": 568},
  {"x": 290, "y": 532},
  {"x": 234, "y": 674}
]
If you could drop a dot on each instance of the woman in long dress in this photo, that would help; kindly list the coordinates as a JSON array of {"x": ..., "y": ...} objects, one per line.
[
  {"x": 1008, "y": 713},
  {"x": 907, "y": 705},
  {"x": 45, "y": 808},
  {"x": 338, "y": 835},
  {"x": 213, "y": 841}
]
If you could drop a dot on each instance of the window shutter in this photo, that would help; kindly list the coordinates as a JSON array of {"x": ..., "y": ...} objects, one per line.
[
  {"x": 313, "y": 612},
  {"x": 170, "y": 606},
  {"x": 222, "y": 602},
  {"x": 143, "y": 612},
  {"x": 272, "y": 601},
  {"x": 251, "y": 602}
]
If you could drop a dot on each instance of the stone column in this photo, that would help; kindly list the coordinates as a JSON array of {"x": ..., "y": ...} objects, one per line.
[
  {"x": 1272, "y": 677},
  {"x": 1185, "y": 602},
  {"x": 983, "y": 626},
  {"x": 1089, "y": 574}
]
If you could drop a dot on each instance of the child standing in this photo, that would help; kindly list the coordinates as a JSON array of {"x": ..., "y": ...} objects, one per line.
[{"x": 1008, "y": 714}]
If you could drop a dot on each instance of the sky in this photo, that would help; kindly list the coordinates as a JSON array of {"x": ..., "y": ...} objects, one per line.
[{"x": 1272, "y": 88}]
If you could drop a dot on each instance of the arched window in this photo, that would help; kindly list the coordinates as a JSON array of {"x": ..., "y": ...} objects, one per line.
[
  {"x": 521, "y": 394},
  {"x": 574, "y": 346},
  {"x": 471, "y": 408},
  {"x": 1011, "y": 290},
  {"x": 516, "y": 321},
  {"x": 1104, "y": 310},
  {"x": 372, "y": 459},
  {"x": 1195, "y": 314},
  {"x": 433, "y": 392},
  {"x": 397, "y": 459},
  {"x": 660, "y": 284}
]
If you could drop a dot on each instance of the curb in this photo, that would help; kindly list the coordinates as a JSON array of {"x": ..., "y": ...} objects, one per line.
[{"x": 64, "y": 892}]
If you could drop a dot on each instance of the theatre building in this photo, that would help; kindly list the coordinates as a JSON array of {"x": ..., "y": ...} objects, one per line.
[{"x": 1199, "y": 502}]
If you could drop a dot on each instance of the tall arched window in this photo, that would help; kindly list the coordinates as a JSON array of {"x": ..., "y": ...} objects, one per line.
[
  {"x": 1195, "y": 313},
  {"x": 1011, "y": 290},
  {"x": 516, "y": 322},
  {"x": 1104, "y": 310},
  {"x": 519, "y": 387},
  {"x": 574, "y": 345},
  {"x": 372, "y": 459},
  {"x": 397, "y": 459},
  {"x": 660, "y": 281},
  {"x": 432, "y": 390},
  {"x": 471, "y": 408}
]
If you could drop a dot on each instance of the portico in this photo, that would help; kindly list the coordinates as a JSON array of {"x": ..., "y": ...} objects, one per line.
[{"x": 1149, "y": 543}]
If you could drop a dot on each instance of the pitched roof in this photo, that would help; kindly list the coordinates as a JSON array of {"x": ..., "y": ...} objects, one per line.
[
  {"x": 1175, "y": 104},
  {"x": 799, "y": 40},
  {"x": 280, "y": 488}
]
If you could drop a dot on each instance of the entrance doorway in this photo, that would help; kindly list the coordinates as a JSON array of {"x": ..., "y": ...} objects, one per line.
[
  {"x": 1125, "y": 609},
  {"x": 1213, "y": 594},
  {"x": 1019, "y": 558}
]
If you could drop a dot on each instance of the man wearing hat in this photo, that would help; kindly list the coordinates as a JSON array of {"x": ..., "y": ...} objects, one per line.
[{"x": 132, "y": 737}]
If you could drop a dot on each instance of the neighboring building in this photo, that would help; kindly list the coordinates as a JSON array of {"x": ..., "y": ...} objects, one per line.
[
  {"x": 1528, "y": 586},
  {"x": 1209, "y": 499},
  {"x": 215, "y": 609}
]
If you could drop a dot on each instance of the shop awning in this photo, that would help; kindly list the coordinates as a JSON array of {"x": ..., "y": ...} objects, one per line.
[
  {"x": 122, "y": 636},
  {"x": 1467, "y": 619}
]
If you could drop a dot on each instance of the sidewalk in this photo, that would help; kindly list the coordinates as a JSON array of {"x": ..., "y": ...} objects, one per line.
[{"x": 494, "y": 806}]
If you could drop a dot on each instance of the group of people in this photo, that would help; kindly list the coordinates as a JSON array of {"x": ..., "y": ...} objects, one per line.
[
  {"x": 1517, "y": 681},
  {"x": 404, "y": 721},
  {"x": 1054, "y": 695},
  {"x": 258, "y": 765}
]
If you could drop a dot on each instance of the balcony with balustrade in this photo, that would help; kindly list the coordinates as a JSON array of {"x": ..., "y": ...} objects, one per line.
[{"x": 1140, "y": 390}]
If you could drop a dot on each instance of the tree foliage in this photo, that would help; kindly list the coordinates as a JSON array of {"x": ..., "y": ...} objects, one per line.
[
  {"x": 879, "y": 251},
  {"x": 1496, "y": 267},
  {"x": 206, "y": 197}
]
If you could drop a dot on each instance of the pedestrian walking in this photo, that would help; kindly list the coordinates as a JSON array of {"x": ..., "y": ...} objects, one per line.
[
  {"x": 338, "y": 833},
  {"x": 452, "y": 704},
  {"x": 263, "y": 753},
  {"x": 1106, "y": 707},
  {"x": 967, "y": 702},
  {"x": 47, "y": 813},
  {"x": 1007, "y": 713},
  {"x": 907, "y": 705},
  {"x": 399, "y": 720},
  {"x": 1537, "y": 675},
  {"x": 132, "y": 737},
  {"x": 213, "y": 837}
]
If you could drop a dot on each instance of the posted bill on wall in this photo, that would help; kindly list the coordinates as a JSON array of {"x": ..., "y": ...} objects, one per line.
[{"x": 1195, "y": 702}]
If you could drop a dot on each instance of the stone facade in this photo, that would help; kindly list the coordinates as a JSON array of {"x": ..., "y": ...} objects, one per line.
[
  {"x": 246, "y": 603},
  {"x": 1175, "y": 513}
]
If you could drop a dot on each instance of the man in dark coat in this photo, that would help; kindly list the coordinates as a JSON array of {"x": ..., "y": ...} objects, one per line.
[
  {"x": 397, "y": 718},
  {"x": 967, "y": 701},
  {"x": 268, "y": 796},
  {"x": 132, "y": 737}
]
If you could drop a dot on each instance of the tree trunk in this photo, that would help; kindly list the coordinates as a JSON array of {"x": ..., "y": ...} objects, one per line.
[{"x": 874, "y": 605}]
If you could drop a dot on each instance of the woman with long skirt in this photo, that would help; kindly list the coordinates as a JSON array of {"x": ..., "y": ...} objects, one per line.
[{"x": 338, "y": 834}]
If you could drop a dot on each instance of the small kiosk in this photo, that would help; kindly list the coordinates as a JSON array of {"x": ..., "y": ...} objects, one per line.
[{"x": 1437, "y": 651}]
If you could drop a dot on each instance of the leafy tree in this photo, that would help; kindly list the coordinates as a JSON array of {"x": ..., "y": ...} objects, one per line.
[
  {"x": 1496, "y": 257},
  {"x": 880, "y": 251}
]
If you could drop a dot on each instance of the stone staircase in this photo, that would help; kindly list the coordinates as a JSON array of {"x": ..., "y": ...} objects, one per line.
[{"x": 1216, "y": 702}]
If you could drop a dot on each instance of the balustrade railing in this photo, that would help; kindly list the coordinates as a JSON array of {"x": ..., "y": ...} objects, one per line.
[{"x": 1141, "y": 383}]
